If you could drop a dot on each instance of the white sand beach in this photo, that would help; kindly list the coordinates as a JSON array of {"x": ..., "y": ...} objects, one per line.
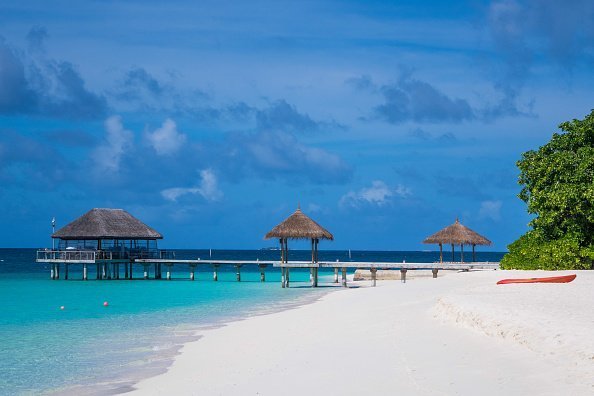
[{"x": 456, "y": 335}]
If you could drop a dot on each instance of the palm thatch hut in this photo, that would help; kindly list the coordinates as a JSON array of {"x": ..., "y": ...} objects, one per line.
[
  {"x": 299, "y": 226},
  {"x": 112, "y": 230},
  {"x": 457, "y": 234}
]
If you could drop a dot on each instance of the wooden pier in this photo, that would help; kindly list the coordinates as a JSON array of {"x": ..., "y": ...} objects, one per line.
[{"x": 107, "y": 267}]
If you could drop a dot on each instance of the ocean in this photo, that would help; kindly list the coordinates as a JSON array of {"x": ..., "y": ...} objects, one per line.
[{"x": 88, "y": 348}]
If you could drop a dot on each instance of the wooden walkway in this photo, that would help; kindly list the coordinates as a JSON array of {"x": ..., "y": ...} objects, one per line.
[{"x": 110, "y": 269}]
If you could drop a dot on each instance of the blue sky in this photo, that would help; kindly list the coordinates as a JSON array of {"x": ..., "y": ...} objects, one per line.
[{"x": 211, "y": 122}]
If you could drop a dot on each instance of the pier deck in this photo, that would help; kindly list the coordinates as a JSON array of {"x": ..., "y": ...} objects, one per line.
[{"x": 109, "y": 267}]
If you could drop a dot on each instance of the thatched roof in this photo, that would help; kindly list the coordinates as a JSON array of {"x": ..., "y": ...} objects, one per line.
[
  {"x": 107, "y": 224},
  {"x": 457, "y": 234},
  {"x": 299, "y": 226}
]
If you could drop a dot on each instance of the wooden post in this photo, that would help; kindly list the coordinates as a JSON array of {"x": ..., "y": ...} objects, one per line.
[
  {"x": 131, "y": 270},
  {"x": 434, "y": 271},
  {"x": 238, "y": 273},
  {"x": 103, "y": 271},
  {"x": 461, "y": 252},
  {"x": 98, "y": 271},
  {"x": 315, "y": 277},
  {"x": 57, "y": 272},
  {"x": 215, "y": 273},
  {"x": 373, "y": 276},
  {"x": 311, "y": 275},
  {"x": 283, "y": 277},
  {"x": 403, "y": 275},
  {"x": 335, "y": 274},
  {"x": 65, "y": 271},
  {"x": 262, "y": 275},
  {"x": 440, "y": 253},
  {"x": 452, "y": 252},
  {"x": 313, "y": 250},
  {"x": 473, "y": 253},
  {"x": 52, "y": 265},
  {"x": 192, "y": 268},
  {"x": 126, "y": 273},
  {"x": 168, "y": 271},
  {"x": 85, "y": 271},
  {"x": 287, "y": 277},
  {"x": 344, "y": 277}
]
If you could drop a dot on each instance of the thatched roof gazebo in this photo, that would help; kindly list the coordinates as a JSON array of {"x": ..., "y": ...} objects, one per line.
[
  {"x": 101, "y": 223},
  {"x": 299, "y": 226},
  {"x": 113, "y": 230},
  {"x": 457, "y": 234}
]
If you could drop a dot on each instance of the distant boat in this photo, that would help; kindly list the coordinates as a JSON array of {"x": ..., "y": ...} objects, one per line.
[
  {"x": 270, "y": 248},
  {"x": 552, "y": 279}
]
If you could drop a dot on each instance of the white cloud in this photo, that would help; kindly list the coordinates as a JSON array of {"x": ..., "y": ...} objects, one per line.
[
  {"x": 490, "y": 210},
  {"x": 379, "y": 194},
  {"x": 208, "y": 188},
  {"x": 117, "y": 141},
  {"x": 166, "y": 140}
]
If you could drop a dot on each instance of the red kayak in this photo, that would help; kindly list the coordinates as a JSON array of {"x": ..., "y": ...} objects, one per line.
[{"x": 552, "y": 279}]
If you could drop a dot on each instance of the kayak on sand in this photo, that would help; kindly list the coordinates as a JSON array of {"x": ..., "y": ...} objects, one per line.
[{"x": 552, "y": 279}]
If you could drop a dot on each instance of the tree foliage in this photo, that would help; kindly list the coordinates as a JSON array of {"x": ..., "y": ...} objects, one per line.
[{"x": 558, "y": 187}]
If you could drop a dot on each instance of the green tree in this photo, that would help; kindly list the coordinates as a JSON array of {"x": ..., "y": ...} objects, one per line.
[{"x": 558, "y": 187}]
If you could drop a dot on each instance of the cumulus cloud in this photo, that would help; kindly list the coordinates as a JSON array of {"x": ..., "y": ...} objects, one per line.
[
  {"x": 207, "y": 188},
  {"x": 166, "y": 140},
  {"x": 410, "y": 99},
  {"x": 526, "y": 32},
  {"x": 378, "y": 194},
  {"x": 117, "y": 140},
  {"x": 490, "y": 210},
  {"x": 42, "y": 86},
  {"x": 281, "y": 116},
  {"x": 282, "y": 155}
]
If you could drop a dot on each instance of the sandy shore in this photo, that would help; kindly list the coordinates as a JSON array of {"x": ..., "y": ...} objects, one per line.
[{"x": 455, "y": 335}]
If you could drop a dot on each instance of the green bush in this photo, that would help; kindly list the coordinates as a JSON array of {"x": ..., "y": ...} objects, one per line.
[
  {"x": 532, "y": 252},
  {"x": 558, "y": 187}
]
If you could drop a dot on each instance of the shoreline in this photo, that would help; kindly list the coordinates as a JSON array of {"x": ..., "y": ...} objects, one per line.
[
  {"x": 161, "y": 361},
  {"x": 390, "y": 332}
]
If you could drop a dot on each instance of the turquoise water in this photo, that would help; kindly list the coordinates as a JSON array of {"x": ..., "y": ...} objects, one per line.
[{"x": 46, "y": 348}]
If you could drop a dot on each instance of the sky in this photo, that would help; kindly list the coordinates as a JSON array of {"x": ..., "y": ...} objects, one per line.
[{"x": 213, "y": 121}]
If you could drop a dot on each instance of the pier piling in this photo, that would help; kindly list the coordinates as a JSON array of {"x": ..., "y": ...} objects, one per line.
[
  {"x": 403, "y": 275},
  {"x": 373, "y": 276}
]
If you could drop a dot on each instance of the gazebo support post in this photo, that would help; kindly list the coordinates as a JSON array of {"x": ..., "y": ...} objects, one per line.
[
  {"x": 65, "y": 271},
  {"x": 403, "y": 275},
  {"x": 85, "y": 271},
  {"x": 441, "y": 253},
  {"x": 452, "y": 252},
  {"x": 287, "y": 277},
  {"x": 126, "y": 273},
  {"x": 344, "y": 277},
  {"x": 130, "y": 271},
  {"x": 461, "y": 253},
  {"x": 335, "y": 274},
  {"x": 434, "y": 271},
  {"x": 473, "y": 252},
  {"x": 283, "y": 277},
  {"x": 315, "y": 278},
  {"x": 262, "y": 274},
  {"x": 373, "y": 276}
]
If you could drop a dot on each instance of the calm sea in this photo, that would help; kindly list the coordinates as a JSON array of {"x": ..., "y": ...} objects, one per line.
[{"x": 89, "y": 348}]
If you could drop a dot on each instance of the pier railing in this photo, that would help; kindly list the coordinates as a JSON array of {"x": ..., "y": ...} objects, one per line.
[{"x": 48, "y": 256}]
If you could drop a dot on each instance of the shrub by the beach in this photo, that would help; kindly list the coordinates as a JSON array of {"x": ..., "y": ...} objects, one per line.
[
  {"x": 532, "y": 252},
  {"x": 558, "y": 187}
]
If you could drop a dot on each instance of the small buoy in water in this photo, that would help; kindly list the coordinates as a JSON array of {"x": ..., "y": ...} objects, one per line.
[
  {"x": 62, "y": 307},
  {"x": 105, "y": 303}
]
